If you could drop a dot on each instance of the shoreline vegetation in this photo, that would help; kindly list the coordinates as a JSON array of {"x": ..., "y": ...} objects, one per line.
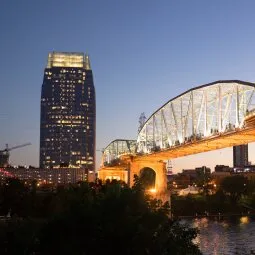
[
  {"x": 197, "y": 206},
  {"x": 214, "y": 216},
  {"x": 101, "y": 218},
  {"x": 89, "y": 218},
  {"x": 234, "y": 196}
]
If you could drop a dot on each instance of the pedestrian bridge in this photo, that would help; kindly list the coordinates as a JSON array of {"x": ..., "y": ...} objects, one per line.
[{"x": 205, "y": 118}]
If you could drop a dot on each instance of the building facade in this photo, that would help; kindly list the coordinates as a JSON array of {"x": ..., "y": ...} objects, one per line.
[
  {"x": 240, "y": 155},
  {"x": 54, "y": 176},
  {"x": 222, "y": 168},
  {"x": 68, "y": 112}
]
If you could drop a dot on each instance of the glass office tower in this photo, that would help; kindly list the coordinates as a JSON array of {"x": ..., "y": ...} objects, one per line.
[{"x": 68, "y": 112}]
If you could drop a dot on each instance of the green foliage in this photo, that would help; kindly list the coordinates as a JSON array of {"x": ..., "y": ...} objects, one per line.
[
  {"x": 13, "y": 197},
  {"x": 188, "y": 206},
  {"x": 233, "y": 197},
  {"x": 97, "y": 219},
  {"x": 234, "y": 186},
  {"x": 202, "y": 179},
  {"x": 19, "y": 236}
]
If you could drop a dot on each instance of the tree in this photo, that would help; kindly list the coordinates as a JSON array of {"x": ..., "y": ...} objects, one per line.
[
  {"x": 234, "y": 186},
  {"x": 116, "y": 219},
  {"x": 14, "y": 197},
  {"x": 203, "y": 177},
  {"x": 96, "y": 218}
]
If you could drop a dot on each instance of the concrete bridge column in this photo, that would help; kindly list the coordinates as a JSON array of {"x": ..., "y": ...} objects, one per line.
[{"x": 159, "y": 168}]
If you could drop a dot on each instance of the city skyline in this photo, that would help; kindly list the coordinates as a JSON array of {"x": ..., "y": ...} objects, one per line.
[{"x": 143, "y": 55}]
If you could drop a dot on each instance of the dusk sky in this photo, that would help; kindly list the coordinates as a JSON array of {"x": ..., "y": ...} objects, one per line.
[{"x": 142, "y": 52}]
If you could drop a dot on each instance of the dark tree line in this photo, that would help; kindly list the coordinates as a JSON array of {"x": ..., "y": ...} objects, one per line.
[
  {"x": 90, "y": 218},
  {"x": 235, "y": 195}
]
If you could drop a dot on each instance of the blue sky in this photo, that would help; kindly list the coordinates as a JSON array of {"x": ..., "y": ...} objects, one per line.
[{"x": 142, "y": 52}]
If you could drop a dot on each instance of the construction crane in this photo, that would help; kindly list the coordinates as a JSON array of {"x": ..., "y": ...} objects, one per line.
[{"x": 5, "y": 154}]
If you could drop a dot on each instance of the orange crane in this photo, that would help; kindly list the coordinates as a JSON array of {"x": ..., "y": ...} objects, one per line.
[{"x": 5, "y": 154}]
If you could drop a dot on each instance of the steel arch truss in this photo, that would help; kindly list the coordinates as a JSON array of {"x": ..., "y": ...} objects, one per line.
[
  {"x": 196, "y": 114},
  {"x": 117, "y": 148}
]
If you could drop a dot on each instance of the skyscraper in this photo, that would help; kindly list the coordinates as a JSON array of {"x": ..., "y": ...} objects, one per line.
[
  {"x": 240, "y": 155},
  {"x": 68, "y": 112}
]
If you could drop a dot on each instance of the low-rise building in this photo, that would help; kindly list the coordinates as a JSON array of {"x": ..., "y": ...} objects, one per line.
[
  {"x": 48, "y": 176},
  {"x": 222, "y": 168},
  {"x": 219, "y": 176},
  {"x": 190, "y": 190}
]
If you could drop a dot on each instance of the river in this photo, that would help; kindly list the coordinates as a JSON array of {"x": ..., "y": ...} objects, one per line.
[{"x": 235, "y": 235}]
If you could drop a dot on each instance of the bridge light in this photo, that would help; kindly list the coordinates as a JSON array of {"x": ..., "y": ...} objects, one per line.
[
  {"x": 153, "y": 190},
  {"x": 244, "y": 220}
]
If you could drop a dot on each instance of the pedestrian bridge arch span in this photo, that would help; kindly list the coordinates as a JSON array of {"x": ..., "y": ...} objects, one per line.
[
  {"x": 117, "y": 148},
  {"x": 209, "y": 117},
  {"x": 198, "y": 113}
]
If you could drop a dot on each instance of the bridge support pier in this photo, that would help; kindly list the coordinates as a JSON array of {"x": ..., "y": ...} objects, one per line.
[
  {"x": 159, "y": 167},
  {"x": 127, "y": 171}
]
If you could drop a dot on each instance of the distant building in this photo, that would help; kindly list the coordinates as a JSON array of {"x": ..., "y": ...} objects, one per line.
[
  {"x": 68, "y": 113},
  {"x": 190, "y": 190},
  {"x": 203, "y": 170},
  {"x": 244, "y": 169},
  {"x": 48, "y": 176},
  {"x": 190, "y": 172},
  {"x": 184, "y": 179},
  {"x": 222, "y": 168},
  {"x": 249, "y": 175},
  {"x": 181, "y": 181},
  {"x": 219, "y": 176},
  {"x": 240, "y": 155},
  {"x": 191, "y": 176}
]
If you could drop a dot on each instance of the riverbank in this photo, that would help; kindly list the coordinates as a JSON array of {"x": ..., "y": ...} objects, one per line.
[
  {"x": 217, "y": 205},
  {"x": 219, "y": 216}
]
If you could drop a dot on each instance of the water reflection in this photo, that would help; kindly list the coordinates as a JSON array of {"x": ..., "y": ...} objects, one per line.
[{"x": 228, "y": 236}]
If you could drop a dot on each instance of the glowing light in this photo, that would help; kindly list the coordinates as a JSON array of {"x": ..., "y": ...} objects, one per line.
[
  {"x": 64, "y": 59},
  {"x": 153, "y": 190},
  {"x": 244, "y": 220}
]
